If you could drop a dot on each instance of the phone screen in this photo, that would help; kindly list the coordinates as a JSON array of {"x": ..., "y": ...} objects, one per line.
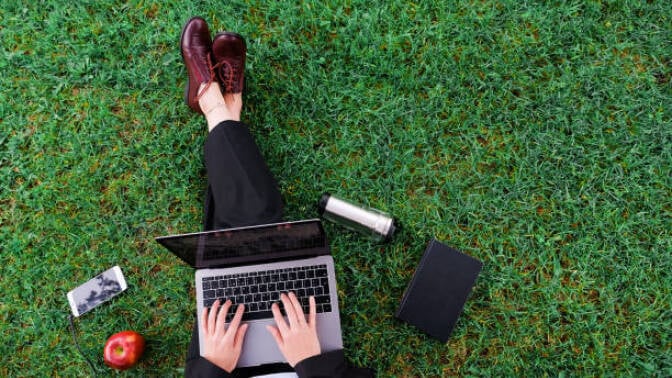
[{"x": 97, "y": 290}]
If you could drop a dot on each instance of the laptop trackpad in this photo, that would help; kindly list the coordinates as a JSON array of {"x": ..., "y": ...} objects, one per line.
[{"x": 260, "y": 348}]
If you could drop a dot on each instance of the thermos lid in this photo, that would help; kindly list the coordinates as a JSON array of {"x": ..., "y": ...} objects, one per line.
[{"x": 322, "y": 203}]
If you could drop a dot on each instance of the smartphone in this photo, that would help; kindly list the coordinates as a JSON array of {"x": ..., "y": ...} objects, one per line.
[{"x": 96, "y": 291}]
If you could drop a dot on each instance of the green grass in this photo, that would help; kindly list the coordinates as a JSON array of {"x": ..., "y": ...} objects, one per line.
[{"x": 536, "y": 137}]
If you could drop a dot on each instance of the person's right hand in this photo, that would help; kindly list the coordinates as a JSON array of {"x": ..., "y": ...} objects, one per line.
[
  {"x": 298, "y": 339},
  {"x": 223, "y": 344}
]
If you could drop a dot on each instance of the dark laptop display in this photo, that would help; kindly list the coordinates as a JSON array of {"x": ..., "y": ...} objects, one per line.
[{"x": 248, "y": 245}]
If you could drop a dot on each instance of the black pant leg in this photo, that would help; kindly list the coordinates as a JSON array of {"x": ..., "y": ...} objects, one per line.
[{"x": 241, "y": 189}]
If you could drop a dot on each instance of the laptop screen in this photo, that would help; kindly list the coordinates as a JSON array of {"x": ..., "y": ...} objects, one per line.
[{"x": 252, "y": 244}]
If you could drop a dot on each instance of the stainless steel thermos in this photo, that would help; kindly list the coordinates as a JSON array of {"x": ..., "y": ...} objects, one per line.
[{"x": 371, "y": 222}]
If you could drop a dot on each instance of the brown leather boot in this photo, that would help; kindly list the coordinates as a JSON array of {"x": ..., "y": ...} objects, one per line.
[
  {"x": 196, "y": 46},
  {"x": 229, "y": 51}
]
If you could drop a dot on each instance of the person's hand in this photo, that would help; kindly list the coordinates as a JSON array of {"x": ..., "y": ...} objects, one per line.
[
  {"x": 298, "y": 339},
  {"x": 223, "y": 346}
]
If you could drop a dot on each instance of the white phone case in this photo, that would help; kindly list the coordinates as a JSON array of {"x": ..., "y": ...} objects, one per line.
[{"x": 109, "y": 277}]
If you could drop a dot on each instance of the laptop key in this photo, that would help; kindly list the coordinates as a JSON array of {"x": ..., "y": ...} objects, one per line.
[
  {"x": 257, "y": 315},
  {"x": 208, "y": 294}
]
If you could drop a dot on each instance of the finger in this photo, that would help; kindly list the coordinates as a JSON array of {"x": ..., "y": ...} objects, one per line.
[
  {"x": 312, "y": 315},
  {"x": 279, "y": 320},
  {"x": 204, "y": 320},
  {"x": 289, "y": 309},
  {"x": 221, "y": 317},
  {"x": 300, "y": 316},
  {"x": 211, "y": 317},
  {"x": 276, "y": 335},
  {"x": 240, "y": 336},
  {"x": 235, "y": 322}
]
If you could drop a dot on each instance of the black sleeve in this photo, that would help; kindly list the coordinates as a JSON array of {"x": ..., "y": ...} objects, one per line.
[
  {"x": 330, "y": 365},
  {"x": 202, "y": 368}
]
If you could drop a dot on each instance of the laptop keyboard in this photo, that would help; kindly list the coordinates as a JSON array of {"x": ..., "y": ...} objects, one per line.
[{"x": 259, "y": 290}]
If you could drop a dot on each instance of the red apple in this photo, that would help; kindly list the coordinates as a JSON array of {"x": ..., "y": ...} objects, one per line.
[{"x": 123, "y": 350}]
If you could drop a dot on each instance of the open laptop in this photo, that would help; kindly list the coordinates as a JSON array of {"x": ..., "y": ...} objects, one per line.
[{"x": 253, "y": 265}]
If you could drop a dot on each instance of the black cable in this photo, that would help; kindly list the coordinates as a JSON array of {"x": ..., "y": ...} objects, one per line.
[{"x": 74, "y": 338}]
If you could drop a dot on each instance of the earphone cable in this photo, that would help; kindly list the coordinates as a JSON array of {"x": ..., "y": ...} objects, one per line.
[{"x": 74, "y": 338}]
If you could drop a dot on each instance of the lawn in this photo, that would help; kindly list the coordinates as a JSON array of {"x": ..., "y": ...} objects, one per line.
[{"x": 534, "y": 136}]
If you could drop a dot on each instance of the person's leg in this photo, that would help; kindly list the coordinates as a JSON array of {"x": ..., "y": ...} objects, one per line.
[{"x": 241, "y": 189}]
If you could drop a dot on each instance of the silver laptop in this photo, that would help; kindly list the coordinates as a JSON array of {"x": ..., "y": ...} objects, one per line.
[{"x": 253, "y": 265}]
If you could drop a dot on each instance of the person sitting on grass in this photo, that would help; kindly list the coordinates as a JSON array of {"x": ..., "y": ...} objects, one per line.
[{"x": 241, "y": 191}]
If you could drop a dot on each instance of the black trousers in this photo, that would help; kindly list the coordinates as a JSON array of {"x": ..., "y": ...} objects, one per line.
[{"x": 241, "y": 191}]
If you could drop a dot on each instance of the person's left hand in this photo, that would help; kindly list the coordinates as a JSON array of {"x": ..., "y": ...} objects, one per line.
[{"x": 223, "y": 346}]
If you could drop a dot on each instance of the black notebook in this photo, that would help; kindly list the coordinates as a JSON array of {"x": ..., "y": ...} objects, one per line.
[{"x": 438, "y": 290}]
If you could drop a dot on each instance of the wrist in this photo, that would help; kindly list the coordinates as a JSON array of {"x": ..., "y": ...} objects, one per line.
[
  {"x": 224, "y": 365},
  {"x": 302, "y": 358}
]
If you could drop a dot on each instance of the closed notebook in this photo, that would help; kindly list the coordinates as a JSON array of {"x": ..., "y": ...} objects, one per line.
[{"x": 434, "y": 298}]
